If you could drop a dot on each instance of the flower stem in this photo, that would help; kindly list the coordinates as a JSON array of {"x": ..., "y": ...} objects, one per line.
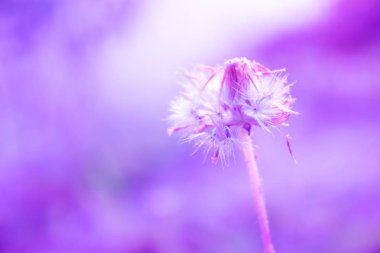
[{"x": 250, "y": 159}]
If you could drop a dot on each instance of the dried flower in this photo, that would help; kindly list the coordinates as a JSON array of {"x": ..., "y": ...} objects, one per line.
[{"x": 219, "y": 101}]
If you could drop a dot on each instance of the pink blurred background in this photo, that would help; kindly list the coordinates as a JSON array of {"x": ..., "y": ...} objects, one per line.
[{"x": 85, "y": 161}]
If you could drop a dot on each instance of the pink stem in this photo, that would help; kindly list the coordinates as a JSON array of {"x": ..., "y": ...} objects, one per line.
[{"x": 249, "y": 154}]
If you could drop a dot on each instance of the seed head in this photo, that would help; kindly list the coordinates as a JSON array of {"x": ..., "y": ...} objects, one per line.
[{"x": 217, "y": 102}]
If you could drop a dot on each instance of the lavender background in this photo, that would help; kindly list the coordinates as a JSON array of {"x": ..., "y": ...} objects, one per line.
[{"x": 85, "y": 162}]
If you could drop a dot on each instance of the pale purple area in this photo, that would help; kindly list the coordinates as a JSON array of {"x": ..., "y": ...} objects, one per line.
[{"x": 85, "y": 161}]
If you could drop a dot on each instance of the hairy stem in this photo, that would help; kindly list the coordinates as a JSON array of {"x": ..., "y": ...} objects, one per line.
[{"x": 250, "y": 159}]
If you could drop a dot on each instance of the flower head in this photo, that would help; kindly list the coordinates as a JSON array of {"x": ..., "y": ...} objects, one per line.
[{"x": 219, "y": 101}]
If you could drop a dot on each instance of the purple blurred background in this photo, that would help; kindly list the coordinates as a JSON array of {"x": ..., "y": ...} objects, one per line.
[{"x": 85, "y": 161}]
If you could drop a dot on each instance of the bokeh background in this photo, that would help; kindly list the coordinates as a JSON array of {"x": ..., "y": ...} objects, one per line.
[{"x": 85, "y": 161}]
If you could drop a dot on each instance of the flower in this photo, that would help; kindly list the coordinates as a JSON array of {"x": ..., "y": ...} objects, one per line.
[{"x": 219, "y": 101}]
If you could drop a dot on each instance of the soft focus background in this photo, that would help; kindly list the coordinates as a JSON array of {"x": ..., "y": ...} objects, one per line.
[{"x": 85, "y": 161}]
